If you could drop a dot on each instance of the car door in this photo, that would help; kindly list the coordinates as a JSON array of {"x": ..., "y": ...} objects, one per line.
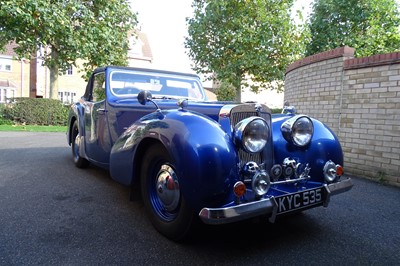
[{"x": 97, "y": 136}]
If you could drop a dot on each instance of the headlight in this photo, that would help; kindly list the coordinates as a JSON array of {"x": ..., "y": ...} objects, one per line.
[
  {"x": 298, "y": 130},
  {"x": 252, "y": 134}
]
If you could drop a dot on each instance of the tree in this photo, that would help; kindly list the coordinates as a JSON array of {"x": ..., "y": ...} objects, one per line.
[
  {"x": 67, "y": 30},
  {"x": 369, "y": 26},
  {"x": 234, "y": 39},
  {"x": 225, "y": 92}
]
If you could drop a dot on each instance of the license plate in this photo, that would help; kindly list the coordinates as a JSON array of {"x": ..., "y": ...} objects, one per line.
[{"x": 301, "y": 200}]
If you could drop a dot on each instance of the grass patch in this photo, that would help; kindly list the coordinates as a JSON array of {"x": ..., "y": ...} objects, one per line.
[{"x": 33, "y": 128}]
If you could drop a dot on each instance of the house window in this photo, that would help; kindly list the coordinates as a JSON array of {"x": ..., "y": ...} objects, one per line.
[
  {"x": 5, "y": 64},
  {"x": 66, "y": 96},
  {"x": 61, "y": 96},
  {"x": 3, "y": 95},
  {"x": 69, "y": 71},
  {"x": 6, "y": 93}
]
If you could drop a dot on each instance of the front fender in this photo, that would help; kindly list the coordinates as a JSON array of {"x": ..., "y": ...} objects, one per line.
[
  {"x": 203, "y": 154},
  {"x": 76, "y": 112},
  {"x": 323, "y": 147}
]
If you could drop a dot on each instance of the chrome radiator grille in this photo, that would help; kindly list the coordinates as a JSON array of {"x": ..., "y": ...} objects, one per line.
[{"x": 241, "y": 112}]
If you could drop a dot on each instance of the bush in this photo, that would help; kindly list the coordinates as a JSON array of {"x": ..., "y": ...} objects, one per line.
[
  {"x": 226, "y": 92},
  {"x": 276, "y": 110},
  {"x": 36, "y": 111},
  {"x": 3, "y": 120}
]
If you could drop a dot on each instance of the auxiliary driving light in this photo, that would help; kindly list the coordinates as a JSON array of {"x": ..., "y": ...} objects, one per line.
[
  {"x": 332, "y": 171},
  {"x": 261, "y": 183}
]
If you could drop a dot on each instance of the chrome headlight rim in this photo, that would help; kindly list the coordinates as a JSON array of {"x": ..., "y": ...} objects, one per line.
[
  {"x": 298, "y": 130},
  {"x": 252, "y": 134}
]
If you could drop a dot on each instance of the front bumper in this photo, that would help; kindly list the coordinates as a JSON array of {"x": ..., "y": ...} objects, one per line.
[{"x": 267, "y": 206}]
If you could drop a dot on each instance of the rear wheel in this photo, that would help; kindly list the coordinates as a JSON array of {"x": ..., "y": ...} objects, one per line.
[
  {"x": 162, "y": 198},
  {"x": 76, "y": 142}
]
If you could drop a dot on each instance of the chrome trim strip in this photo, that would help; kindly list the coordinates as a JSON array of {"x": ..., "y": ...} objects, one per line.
[
  {"x": 261, "y": 207},
  {"x": 290, "y": 181}
]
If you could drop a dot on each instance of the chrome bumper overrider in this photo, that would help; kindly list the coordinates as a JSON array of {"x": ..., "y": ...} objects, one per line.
[{"x": 262, "y": 207}]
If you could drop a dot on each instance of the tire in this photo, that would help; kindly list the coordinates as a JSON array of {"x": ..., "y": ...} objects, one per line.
[
  {"x": 79, "y": 161},
  {"x": 162, "y": 198}
]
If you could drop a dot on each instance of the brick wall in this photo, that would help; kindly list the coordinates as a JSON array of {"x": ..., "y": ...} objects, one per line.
[{"x": 359, "y": 98}]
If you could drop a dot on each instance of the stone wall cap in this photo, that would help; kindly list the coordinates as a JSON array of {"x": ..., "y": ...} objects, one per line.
[
  {"x": 344, "y": 51},
  {"x": 374, "y": 60}
]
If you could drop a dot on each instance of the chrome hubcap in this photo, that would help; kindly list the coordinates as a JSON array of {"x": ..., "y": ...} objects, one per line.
[{"x": 168, "y": 188}]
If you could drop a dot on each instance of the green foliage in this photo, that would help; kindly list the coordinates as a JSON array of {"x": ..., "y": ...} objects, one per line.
[
  {"x": 95, "y": 31},
  {"x": 369, "y": 26},
  {"x": 3, "y": 119},
  {"x": 276, "y": 110},
  {"x": 234, "y": 39},
  {"x": 36, "y": 111},
  {"x": 381, "y": 176},
  {"x": 225, "y": 92}
]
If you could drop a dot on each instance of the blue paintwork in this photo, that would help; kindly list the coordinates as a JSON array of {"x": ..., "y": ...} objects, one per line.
[
  {"x": 205, "y": 159},
  {"x": 324, "y": 146},
  {"x": 202, "y": 149}
]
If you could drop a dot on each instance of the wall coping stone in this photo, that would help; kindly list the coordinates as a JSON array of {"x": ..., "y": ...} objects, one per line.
[
  {"x": 374, "y": 60},
  {"x": 344, "y": 51}
]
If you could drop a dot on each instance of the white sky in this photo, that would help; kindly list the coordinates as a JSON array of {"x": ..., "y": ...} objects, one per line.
[{"x": 164, "y": 22}]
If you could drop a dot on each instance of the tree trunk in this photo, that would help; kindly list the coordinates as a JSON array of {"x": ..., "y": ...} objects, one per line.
[
  {"x": 54, "y": 75},
  {"x": 238, "y": 85}
]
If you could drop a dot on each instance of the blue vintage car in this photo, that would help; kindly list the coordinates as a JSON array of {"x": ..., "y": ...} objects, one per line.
[{"x": 189, "y": 158}]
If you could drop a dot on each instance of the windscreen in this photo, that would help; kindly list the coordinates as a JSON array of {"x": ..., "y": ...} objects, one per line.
[{"x": 130, "y": 83}]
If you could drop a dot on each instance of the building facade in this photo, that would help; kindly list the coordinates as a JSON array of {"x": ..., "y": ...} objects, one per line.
[
  {"x": 29, "y": 78},
  {"x": 14, "y": 75}
]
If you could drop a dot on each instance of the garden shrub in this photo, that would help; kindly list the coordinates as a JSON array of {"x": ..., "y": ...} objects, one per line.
[
  {"x": 276, "y": 110},
  {"x": 3, "y": 119},
  {"x": 36, "y": 111}
]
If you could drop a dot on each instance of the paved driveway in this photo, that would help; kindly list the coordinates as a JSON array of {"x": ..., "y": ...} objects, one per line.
[{"x": 52, "y": 213}]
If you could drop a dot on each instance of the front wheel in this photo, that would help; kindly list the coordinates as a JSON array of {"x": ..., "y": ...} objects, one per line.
[
  {"x": 162, "y": 197},
  {"x": 76, "y": 142}
]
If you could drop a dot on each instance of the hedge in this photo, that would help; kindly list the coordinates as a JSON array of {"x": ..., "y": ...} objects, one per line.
[{"x": 35, "y": 111}]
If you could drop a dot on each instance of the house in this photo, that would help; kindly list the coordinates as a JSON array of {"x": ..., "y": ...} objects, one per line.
[
  {"x": 29, "y": 78},
  {"x": 14, "y": 75}
]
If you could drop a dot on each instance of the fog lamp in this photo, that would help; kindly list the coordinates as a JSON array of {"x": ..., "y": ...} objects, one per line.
[
  {"x": 261, "y": 183},
  {"x": 330, "y": 171}
]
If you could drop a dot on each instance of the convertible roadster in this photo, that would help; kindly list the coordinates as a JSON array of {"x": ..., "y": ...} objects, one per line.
[{"x": 189, "y": 158}]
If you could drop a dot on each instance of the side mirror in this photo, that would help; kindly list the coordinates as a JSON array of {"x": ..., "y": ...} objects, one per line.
[{"x": 144, "y": 97}]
